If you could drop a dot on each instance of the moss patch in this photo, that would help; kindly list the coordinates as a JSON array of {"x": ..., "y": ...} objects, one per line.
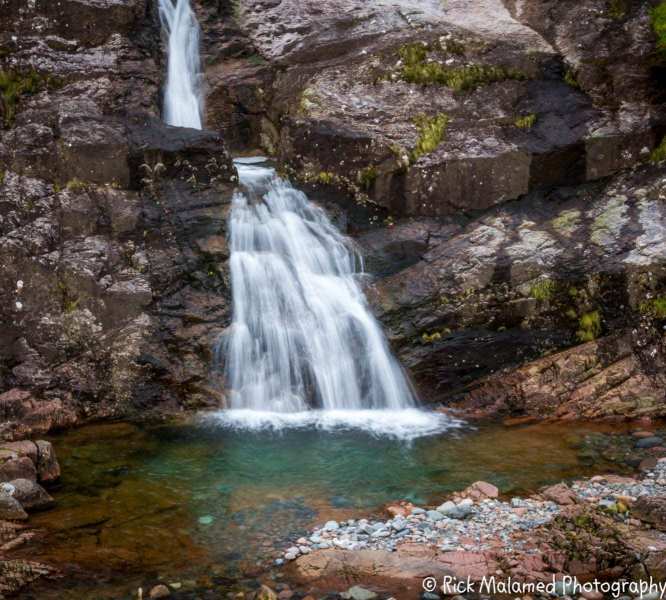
[
  {"x": 418, "y": 69},
  {"x": 526, "y": 121},
  {"x": 542, "y": 290},
  {"x": 656, "y": 307},
  {"x": 431, "y": 133},
  {"x": 15, "y": 84},
  {"x": 366, "y": 177},
  {"x": 658, "y": 18},
  {"x": 571, "y": 79},
  {"x": 589, "y": 327},
  {"x": 617, "y": 9},
  {"x": 659, "y": 153}
]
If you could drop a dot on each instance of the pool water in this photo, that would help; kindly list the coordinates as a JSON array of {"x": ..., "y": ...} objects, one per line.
[{"x": 199, "y": 503}]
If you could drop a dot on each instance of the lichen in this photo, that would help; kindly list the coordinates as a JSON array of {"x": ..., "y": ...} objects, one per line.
[
  {"x": 431, "y": 133},
  {"x": 416, "y": 68},
  {"x": 567, "y": 221},
  {"x": 589, "y": 327},
  {"x": 526, "y": 121}
]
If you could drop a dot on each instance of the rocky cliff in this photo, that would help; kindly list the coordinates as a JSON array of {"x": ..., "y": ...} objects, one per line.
[
  {"x": 499, "y": 165},
  {"x": 112, "y": 226}
]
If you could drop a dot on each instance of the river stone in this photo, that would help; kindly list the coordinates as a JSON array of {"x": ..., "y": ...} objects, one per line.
[
  {"x": 30, "y": 494},
  {"x": 331, "y": 526},
  {"x": 11, "y": 509},
  {"x": 159, "y": 591},
  {"x": 435, "y": 515},
  {"x": 447, "y": 508},
  {"x": 418, "y": 511},
  {"x": 358, "y": 593},
  {"x": 649, "y": 442}
]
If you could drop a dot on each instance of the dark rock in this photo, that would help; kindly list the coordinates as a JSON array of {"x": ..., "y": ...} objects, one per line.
[
  {"x": 649, "y": 442},
  {"x": 48, "y": 468}
]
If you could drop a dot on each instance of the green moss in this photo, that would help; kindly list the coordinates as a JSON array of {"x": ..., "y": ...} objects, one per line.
[
  {"x": 589, "y": 327},
  {"x": 658, "y": 17},
  {"x": 76, "y": 185},
  {"x": 656, "y": 307},
  {"x": 325, "y": 177},
  {"x": 659, "y": 153},
  {"x": 366, "y": 177},
  {"x": 526, "y": 121},
  {"x": 3, "y": 174},
  {"x": 567, "y": 221},
  {"x": 431, "y": 133},
  {"x": 430, "y": 338},
  {"x": 417, "y": 69},
  {"x": 542, "y": 290},
  {"x": 570, "y": 79},
  {"x": 617, "y": 9},
  {"x": 15, "y": 84}
]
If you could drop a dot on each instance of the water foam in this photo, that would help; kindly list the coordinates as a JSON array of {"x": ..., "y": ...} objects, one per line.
[{"x": 406, "y": 424}]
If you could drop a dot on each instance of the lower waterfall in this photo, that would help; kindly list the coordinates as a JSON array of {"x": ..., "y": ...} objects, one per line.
[{"x": 303, "y": 347}]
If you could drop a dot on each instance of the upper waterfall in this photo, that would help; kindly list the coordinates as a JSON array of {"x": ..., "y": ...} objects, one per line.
[
  {"x": 302, "y": 334},
  {"x": 183, "y": 100}
]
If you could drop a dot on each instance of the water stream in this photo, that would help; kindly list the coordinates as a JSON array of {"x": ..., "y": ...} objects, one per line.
[{"x": 183, "y": 99}]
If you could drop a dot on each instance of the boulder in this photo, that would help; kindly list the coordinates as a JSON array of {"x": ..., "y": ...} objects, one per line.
[
  {"x": 30, "y": 494},
  {"x": 11, "y": 509},
  {"x": 560, "y": 493},
  {"x": 651, "y": 509},
  {"x": 480, "y": 490},
  {"x": 18, "y": 468}
]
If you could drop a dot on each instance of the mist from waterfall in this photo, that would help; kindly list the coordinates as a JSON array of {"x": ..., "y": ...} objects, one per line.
[{"x": 183, "y": 100}]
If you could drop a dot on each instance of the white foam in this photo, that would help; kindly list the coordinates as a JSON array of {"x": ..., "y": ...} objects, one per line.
[{"x": 406, "y": 424}]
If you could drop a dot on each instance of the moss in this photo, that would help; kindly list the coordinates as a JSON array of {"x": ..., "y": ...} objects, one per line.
[
  {"x": 3, "y": 174},
  {"x": 526, "y": 121},
  {"x": 589, "y": 327},
  {"x": 417, "y": 69},
  {"x": 308, "y": 101},
  {"x": 658, "y": 18},
  {"x": 656, "y": 307},
  {"x": 617, "y": 9},
  {"x": 430, "y": 338},
  {"x": 325, "y": 177},
  {"x": 570, "y": 79},
  {"x": 15, "y": 84},
  {"x": 76, "y": 185},
  {"x": 366, "y": 177},
  {"x": 659, "y": 153},
  {"x": 567, "y": 221},
  {"x": 543, "y": 290},
  {"x": 431, "y": 133}
]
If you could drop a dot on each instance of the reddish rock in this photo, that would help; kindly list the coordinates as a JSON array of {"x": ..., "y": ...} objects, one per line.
[
  {"x": 18, "y": 468},
  {"x": 648, "y": 463},
  {"x": 643, "y": 434},
  {"x": 469, "y": 564},
  {"x": 560, "y": 494},
  {"x": 479, "y": 490},
  {"x": 401, "y": 509},
  {"x": 651, "y": 510},
  {"x": 48, "y": 468}
]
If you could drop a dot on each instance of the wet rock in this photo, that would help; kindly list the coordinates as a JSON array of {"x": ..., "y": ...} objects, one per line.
[
  {"x": 649, "y": 442},
  {"x": 48, "y": 468},
  {"x": 30, "y": 494},
  {"x": 11, "y": 509}
]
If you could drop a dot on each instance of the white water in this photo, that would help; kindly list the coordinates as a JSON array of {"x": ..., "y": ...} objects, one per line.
[
  {"x": 183, "y": 100},
  {"x": 302, "y": 335}
]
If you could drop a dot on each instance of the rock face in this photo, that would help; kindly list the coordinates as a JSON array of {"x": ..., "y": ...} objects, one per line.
[
  {"x": 112, "y": 276},
  {"x": 493, "y": 158}
]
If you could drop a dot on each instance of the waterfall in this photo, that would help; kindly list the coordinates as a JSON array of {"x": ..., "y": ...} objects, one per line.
[
  {"x": 303, "y": 347},
  {"x": 183, "y": 102}
]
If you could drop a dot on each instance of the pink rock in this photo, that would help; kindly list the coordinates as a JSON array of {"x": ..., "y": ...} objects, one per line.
[
  {"x": 480, "y": 490},
  {"x": 560, "y": 494}
]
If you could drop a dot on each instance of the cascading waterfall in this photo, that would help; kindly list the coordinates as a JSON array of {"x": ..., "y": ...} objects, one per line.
[
  {"x": 303, "y": 347},
  {"x": 183, "y": 102}
]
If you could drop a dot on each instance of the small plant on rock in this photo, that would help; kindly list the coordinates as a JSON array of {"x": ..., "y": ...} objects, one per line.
[
  {"x": 658, "y": 17},
  {"x": 526, "y": 122},
  {"x": 589, "y": 327},
  {"x": 153, "y": 177},
  {"x": 659, "y": 153},
  {"x": 431, "y": 133}
]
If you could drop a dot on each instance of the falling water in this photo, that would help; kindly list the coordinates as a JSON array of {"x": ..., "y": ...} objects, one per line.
[
  {"x": 302, "y": 335},
  {"x": 183, "y": 103}
]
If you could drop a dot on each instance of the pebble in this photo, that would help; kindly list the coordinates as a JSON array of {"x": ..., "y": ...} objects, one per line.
[
  {"x": 331, "y": 526},
  {"x": 159, "y": 591},
  {"x": 649, "y": 442}
]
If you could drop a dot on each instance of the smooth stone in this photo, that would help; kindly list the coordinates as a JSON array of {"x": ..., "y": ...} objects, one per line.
[
  {"x": 649, "y": 442},
  {"x": 11, "y": 509},
  {"x": 435, "y": 515},
  {"x": 447, "y": 507},
  {"x": 331, "y": 526},
  {"x": 206, "y": 520},
  {"x": 30, "y": 494},
  {"x": 418, "y": 511},
  {"x": 159, "y": 591},
  {"x": 358, "y": 593},
  {"x": 290, "y": 556}
]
